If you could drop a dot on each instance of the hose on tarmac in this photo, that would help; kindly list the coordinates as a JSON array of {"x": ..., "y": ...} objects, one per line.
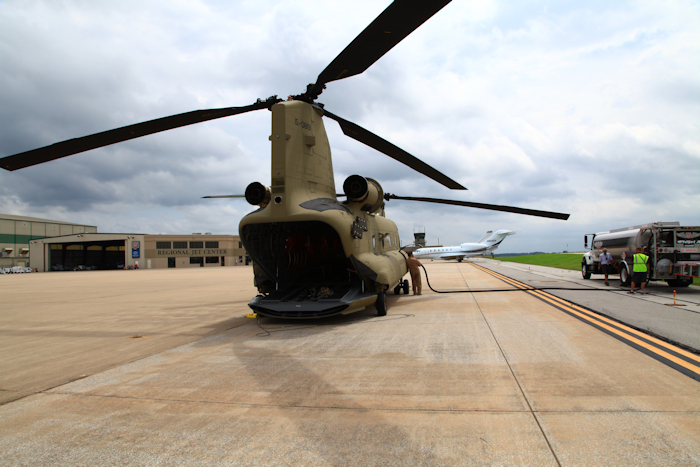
[{"x": 513, "y": 289}]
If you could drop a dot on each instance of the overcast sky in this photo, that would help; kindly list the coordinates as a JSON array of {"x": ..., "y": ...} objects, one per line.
[{"x": 590, "y": 108}]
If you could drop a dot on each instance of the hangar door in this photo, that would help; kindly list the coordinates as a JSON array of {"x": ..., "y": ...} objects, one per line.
[{"x": 87, "y": 255}]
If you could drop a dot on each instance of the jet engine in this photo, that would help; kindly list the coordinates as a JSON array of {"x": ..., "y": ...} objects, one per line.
[
  {"x": 258, "y": 194},
  {"x": 364, "y": 190}
]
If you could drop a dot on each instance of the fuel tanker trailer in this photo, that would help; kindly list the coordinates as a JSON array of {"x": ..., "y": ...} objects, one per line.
[{"x": 673, "y": 250}]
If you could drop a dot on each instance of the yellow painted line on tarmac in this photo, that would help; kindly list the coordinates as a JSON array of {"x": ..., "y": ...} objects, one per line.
[
  {"x": 651, "y": 348},
  {"x": 512, "y": 282},
  {"x": 684, "y": 361},
  {"x": 603, "y": 319},
  {"x": 620, "y": 325}
]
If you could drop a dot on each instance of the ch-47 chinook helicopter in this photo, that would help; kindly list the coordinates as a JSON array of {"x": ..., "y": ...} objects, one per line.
[{"x": 313, "y": 255}]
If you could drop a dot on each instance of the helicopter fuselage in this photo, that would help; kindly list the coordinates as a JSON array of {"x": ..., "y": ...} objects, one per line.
[{"x": 314, "y": 256}]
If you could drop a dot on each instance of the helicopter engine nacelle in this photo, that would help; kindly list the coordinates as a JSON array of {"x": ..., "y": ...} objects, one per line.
[
  {"x": 363, "y": 190},
  {"x": 258, "y": 194}
]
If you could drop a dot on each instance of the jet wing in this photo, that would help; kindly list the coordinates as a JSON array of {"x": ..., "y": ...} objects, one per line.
[{"x": 451, "y": 256}]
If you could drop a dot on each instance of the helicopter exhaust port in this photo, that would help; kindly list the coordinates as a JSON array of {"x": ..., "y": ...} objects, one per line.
[
  {"x": 258, "y": 194},
  {"x": 364, "y": 190}
]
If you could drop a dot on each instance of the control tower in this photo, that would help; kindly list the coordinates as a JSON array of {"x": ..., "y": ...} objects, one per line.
[{"x": 419, "y": 236}]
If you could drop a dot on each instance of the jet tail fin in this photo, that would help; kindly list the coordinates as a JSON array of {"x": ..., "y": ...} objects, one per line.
[
  {"x": 487, "y": 235},
  {"x": 496, "y": 238}
]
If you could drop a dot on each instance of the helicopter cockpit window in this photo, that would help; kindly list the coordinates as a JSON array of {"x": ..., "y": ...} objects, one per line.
[{"x": 374, "y": 242}]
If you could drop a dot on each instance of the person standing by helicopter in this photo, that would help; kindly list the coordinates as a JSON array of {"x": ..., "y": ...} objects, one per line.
[{"x": 413, "y": 265}]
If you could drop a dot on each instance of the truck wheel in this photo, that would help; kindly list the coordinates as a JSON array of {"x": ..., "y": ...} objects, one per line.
[
  {"x": 585, "y": 272},
  {"x": 624, "y": 275},
  {"x": 380, "y": 304},
  {"x": 679, "y": 282}
]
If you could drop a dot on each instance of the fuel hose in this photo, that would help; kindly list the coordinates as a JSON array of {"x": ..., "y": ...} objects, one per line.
[{"x": 427, "y": 280}]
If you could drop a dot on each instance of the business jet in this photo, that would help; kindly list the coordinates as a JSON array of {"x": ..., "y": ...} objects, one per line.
[{"x": 487, "y": 244}]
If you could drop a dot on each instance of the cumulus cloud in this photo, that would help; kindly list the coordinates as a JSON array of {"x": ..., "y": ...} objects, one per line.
[{"x": 591, "y": 109}]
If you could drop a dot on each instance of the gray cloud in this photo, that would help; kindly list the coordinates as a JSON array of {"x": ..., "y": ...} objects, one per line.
[{"x": 589, "y": 109}]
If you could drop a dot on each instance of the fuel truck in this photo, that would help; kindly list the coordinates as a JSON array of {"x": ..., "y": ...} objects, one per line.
[{"x": 673, "y": 250}]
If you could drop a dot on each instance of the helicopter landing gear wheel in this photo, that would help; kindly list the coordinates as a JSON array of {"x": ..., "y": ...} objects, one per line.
[
  {"x": 397, "y": 289},
  {"x": 381, "y": 304},
  {"x": 406, "y": 287}
]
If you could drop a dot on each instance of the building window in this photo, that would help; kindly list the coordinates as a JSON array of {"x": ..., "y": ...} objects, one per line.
[
  {"x": 212, "y": 259},
  {"x": 211, "y": 245},
  {"x": 163, "y": 245},
  {"x": 180, "y": 245},
  {"x": 240, "y": 244},
  {"x": 196, "y": 244},
  {"x": 196, "y": 260}
]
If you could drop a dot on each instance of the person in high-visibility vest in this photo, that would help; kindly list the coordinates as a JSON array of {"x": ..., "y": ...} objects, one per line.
[{"x": 640, "y": 269}]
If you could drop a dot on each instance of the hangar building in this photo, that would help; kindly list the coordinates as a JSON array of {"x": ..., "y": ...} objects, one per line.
[
  {"x": 17, "y": 231},
  {"x": 46, "y": 245},
  {"x": 118, "y": 251}
]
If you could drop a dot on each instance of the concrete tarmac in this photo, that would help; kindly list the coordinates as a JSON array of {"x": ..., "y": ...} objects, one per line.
[
  {"x": 489, "y": 378},
  {"x": 650, "y": 312}
]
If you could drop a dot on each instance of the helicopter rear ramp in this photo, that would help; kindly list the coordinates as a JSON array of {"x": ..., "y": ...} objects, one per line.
[{"x": 317, "y": 302}]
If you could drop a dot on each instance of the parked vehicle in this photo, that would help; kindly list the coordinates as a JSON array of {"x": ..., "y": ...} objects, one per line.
[{"x": 673, "y": 250}]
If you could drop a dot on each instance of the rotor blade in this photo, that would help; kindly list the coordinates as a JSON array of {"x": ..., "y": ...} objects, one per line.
[
  {"x": 338, "y": 195},
  {"x": 492, "y": 207},
  {"x": 370, "y": 139},
  {"x": 399, "y": 20},
  {"x": 105, "y": 138}
]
